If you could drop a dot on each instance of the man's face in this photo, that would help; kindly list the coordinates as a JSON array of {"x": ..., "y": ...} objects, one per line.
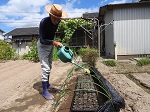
[{"x": 55, "y": 20}]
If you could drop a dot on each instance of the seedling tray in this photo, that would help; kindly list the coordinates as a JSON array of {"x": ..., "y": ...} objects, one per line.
[
  {"x": 84, "y": 100},
  {"x": 106, "y": 100}
]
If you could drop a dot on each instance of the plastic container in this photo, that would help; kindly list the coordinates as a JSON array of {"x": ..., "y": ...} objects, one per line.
[{"x": 65, "y": 54}]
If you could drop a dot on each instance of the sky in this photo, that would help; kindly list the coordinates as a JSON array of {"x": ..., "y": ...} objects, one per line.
[{"x": 28, "y": 13}]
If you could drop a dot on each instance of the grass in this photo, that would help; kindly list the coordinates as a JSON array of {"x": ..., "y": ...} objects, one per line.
[
  {"x": 110, "y": 63},
  {"x": 143, "y": 61}
]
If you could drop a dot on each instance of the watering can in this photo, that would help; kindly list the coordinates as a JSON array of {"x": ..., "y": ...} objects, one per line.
[{"x": 65, "y": 54}]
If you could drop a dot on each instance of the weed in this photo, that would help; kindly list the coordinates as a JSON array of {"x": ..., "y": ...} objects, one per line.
[
  {"x": 111, "y": 63},
  {"x": 143, "y": 61}
]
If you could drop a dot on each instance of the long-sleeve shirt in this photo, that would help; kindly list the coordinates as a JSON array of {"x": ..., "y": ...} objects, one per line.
[{"x": 47, "y": 31}]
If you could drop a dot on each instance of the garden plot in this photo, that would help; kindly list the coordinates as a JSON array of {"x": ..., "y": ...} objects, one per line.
[
  {"x": 84, "y": 98},
  {"x": 22, "y": 90},
  {"x": 92, "y": 93},
  {"x": 136, "y": 98},
  {"x": 143, "y": 78}
]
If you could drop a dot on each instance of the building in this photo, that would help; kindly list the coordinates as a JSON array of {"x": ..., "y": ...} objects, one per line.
[
  {"x": 90, "y": 15},
  {"x": 1, "y": 35},
  {"x": 22, "y": 38},
  {"x": 83, "y": 37},
  {"x": 124, "y": 30}
]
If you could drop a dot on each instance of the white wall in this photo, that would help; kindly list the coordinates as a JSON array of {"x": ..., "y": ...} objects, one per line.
[
  {"x": 1, "y": 36},
  {"x": 132, "y": 30},
  {"x": 109, "y": 36},
  {"x": 22, "y": 48}
]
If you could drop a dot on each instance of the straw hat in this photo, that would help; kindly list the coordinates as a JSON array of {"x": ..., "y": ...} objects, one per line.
[{"x": 56, "y": 11}]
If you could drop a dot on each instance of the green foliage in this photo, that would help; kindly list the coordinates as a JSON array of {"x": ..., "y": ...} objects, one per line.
[
  {"x": 83, "y": 51},
  {"x": 111, "y": 63},
  {"x": 6, "y": 52},
  {"x": 143, "y": 61},
  {"x": 74, "y": 50},
  {"x": 70, "y": 26},
  {"x": 55, "y": 57},
  {"x": 33, "y": 54},
  {"x": 25, "y": 56},
  {"x": 89, "y": 55}
]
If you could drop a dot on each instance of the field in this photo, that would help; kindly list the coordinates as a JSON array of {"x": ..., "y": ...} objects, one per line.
[{"x": 20, "y": 83}]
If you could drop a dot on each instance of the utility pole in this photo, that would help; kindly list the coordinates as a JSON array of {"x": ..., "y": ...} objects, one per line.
[{"x": 98, "y": 26}]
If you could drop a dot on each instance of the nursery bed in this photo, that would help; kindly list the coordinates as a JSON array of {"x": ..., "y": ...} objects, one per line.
[
  {"x": 85, "y": 100},
  {"x": 92, "y": 93}
]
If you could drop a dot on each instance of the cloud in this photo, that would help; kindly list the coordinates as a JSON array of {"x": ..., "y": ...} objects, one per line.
[
  {"x": 103, "y": 1},
  {"x": 23, "y": 6},
  {"x": 77, "y": 12},
  {"x": 118, "y": 2},
  {"x": 21, "y": 13}
]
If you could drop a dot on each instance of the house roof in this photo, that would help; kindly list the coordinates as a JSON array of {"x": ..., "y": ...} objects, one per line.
[
  {"x": 90, "y": 15},
  {"x": 24, "y": 31},
  {"x": 2, "y": 31},
  {"x": 104, "y": 9}
]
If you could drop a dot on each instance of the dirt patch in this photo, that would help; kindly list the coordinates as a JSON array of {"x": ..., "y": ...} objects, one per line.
[
  {"x": 65, "y": 102},
  {"x": 136, "y": 98},
  {"x": 20, "y": 83},
  {"x": 143, "y": 78}
]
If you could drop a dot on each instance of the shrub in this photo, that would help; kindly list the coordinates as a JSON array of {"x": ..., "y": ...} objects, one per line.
[
  {"x": 89, "y": 55},
  {"x": 55, "y": 57},
  {"x": 33, "y": 53},
  {"x": 111, "y": 63},
  {"x": 143, "y": 61},
  {"x": 6, "y": 52}
]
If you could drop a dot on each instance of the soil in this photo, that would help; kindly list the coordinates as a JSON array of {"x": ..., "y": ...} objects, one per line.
[{"x": 20, "y": 83}]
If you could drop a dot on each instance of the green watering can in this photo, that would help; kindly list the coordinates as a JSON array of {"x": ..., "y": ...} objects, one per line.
[{"x": 65, "y": 54}]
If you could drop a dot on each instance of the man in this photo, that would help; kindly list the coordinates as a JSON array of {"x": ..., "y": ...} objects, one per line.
[{"x": 47, "y": 29}]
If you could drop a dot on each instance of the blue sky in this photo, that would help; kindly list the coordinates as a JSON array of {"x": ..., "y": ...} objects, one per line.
[{"x": 28, "y": 13}]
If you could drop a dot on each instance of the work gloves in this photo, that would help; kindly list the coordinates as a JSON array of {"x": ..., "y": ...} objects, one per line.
[{"x": 57, "y": 44}]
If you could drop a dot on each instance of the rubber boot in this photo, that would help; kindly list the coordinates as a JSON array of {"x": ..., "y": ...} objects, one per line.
[
  {"x": 49, "y": 86},
  {"x": 48, "y": 83},
  {"x": 45, "y": 93}
]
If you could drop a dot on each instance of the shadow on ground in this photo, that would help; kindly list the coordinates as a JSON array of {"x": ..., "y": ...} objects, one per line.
[
  {"x": 22, "y": 104},
  {"x": 38, "y": 87}
]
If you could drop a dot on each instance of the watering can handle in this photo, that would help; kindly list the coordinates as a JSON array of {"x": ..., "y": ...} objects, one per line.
[
  {"x": 71, "y": 53},
  {"x": 61, "y": 45}
]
